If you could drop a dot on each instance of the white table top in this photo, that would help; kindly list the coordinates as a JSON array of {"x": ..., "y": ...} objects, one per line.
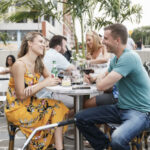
[{"x": 69, "y": 91}]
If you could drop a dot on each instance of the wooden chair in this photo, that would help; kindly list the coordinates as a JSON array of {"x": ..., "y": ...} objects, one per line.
[
  {"x": 12, "y": 130},
  {"x": 146, "y": 135},
  {"x": 2, "y": 103},
  {"x": 136, "y": 143}
]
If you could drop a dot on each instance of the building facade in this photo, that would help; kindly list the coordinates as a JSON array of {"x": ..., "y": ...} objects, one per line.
[{"x": 48, "y": 26}]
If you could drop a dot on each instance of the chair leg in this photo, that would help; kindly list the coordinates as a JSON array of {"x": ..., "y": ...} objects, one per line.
[
  {"x": 145, "y": 140},
  {"x": 139, "y": 142},
  {"x": 11, "y": 130}
]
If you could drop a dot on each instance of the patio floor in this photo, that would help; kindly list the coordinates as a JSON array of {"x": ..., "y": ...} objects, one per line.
[{"x": 20, "y": 138}]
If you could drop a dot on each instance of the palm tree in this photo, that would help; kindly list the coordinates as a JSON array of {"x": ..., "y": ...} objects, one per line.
[
  {"x": 117, "y": 11},
  {"x": 3, "y": 9},
  {"x": 90, "y": 13},
  {"x": 29, "y": 9},
  {"x": 3, "y": 37},
  {"x": 77, "y": 9}
]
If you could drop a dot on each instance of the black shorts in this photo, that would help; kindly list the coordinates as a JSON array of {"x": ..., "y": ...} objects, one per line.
[{"x": 106, "y": 99}]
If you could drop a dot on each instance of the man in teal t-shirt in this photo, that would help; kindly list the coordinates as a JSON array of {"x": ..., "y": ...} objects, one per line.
[
  {"x": 134, "y": 87},
  {"x": 132, "y": 111}
]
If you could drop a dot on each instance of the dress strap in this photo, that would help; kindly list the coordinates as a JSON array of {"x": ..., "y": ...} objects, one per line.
[{"x": 23, "y": 63}]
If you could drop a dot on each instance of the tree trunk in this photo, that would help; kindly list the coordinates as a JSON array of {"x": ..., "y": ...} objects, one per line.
[
  {"x": 75, "y": 36},
  {"x": 82, "y": 36}
]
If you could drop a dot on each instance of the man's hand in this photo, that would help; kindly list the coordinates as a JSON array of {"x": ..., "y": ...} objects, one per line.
[{"x": 89, "y": 79}]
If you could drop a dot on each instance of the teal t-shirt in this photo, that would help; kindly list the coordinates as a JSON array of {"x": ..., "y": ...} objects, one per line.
[{"x": 134, "y": 86}]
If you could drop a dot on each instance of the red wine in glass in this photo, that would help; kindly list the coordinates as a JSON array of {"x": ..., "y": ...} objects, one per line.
[{"x": 88, "y": 71}]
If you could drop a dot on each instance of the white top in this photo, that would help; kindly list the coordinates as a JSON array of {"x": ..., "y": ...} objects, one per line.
[
  {"x": 61, "y": 64},
  {"x": 52, "y": 55},
  {"x": 130, "y": 44},
  {"x": 101, "y": 68}
]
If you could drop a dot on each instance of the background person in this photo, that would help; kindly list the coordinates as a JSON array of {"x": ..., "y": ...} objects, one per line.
[
  {"x": 132, "y": 110},
  {"x": 68, "y": 54},
  {"x": 23, "y": 108},
  {"x": 96, "y": 51},
  {"x": 130, "y": 44},
  {"x": 57, "y": 46},
  {"x": 55, "y": 53},
  {"x": 46, "y": 44},
  {"x": 139, "y": 44},
  {"x": 10, "y": 59}
]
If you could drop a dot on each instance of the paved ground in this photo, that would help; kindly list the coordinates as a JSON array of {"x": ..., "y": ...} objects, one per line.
[{"x": 20, "y": 138}]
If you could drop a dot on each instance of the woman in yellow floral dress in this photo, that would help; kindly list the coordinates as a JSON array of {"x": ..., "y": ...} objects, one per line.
[{"x": 22, "y": 107}]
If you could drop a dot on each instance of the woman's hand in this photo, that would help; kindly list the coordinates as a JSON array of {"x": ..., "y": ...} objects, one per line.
[
  {"x": 29, "y": 90},
  {"x": 88, "y": 56},
  {"x": 49, "y": 81}
]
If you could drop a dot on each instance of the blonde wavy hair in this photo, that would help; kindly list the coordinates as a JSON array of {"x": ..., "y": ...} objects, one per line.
[
  {"x": 96, "y": 42},
  {"x": 39, "y": 66}
]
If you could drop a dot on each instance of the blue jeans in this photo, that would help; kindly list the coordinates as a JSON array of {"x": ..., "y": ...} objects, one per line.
[{"x": 132, "y": 124}]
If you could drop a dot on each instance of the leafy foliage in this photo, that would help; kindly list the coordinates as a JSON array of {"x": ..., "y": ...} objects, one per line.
[
  {"x": 28, "y": 9},
  {"x": 77, "y": 9},
  {"x": 142, "y": 33},
  {"x": 117, "y": 11},
  {"x": 3, "y": 37}
]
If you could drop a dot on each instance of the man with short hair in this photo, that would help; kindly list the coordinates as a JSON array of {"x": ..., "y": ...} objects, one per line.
[
  {"x": 132, "y": 111},
  {"x": 57, "y": 48}
]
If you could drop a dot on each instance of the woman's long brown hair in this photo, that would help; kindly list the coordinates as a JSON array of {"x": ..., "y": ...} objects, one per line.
[{"x": 39, "y": 66}]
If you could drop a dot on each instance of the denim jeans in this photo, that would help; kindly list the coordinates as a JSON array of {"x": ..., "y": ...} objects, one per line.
[{"x": 132, "y": 124}]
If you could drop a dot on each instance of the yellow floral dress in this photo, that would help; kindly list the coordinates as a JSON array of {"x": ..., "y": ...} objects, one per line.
[{"x": 33, "y": 112}]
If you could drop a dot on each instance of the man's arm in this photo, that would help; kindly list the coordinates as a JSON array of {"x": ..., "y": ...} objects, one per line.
[
  {"x": 70, "y": 68},
  {"x": 108, "y": 81}
]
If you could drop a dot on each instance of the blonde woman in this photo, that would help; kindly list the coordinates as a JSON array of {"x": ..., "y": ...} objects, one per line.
[
  {"x": 96, "y": 51},
  {"x": 23, "y": 108}
]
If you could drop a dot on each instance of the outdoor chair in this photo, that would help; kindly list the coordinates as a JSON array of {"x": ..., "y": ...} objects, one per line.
[
  {"x": 59, "y": 124},
  {"x": 136, "y": 143},
  {"x": 146, "y": 135},
  {"x": 12, "y": 130},
  {"x": 2, "y": 103}
]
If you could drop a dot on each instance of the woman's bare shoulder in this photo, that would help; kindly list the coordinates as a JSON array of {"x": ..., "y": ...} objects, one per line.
[{"x": 18, "y": 65}]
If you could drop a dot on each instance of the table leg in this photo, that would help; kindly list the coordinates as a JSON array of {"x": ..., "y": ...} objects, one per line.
[{"x": 78, "y": 136}]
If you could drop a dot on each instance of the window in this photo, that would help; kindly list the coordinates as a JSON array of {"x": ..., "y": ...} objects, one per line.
[
  {"x": 52, "y": 20},
  {"x": 11, "y": 35}
]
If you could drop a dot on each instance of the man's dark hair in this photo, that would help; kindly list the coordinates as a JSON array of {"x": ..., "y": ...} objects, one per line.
[
  {"x": 56, "y": 40},
  {"x": 118, "y": 30}
]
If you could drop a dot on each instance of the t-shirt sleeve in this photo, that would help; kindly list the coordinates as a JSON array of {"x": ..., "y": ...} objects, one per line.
[
  {"x": 125, "y": 64},
  {"x": 110, "y": 67}
]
